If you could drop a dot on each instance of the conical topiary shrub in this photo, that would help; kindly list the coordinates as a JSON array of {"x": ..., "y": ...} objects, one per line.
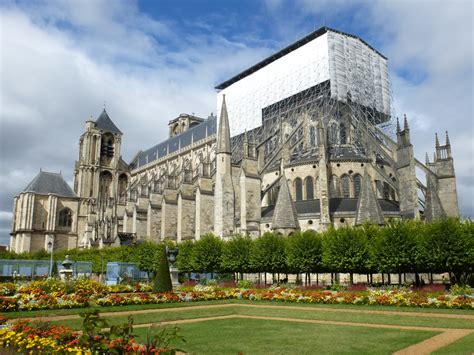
[{"x": 162, "y": 281}]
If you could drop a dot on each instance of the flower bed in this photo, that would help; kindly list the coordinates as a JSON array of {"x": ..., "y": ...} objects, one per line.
[{"x": 94, "y": 293}]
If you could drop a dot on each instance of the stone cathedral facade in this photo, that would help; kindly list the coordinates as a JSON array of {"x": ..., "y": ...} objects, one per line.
[{"x": 315, "y": 161}]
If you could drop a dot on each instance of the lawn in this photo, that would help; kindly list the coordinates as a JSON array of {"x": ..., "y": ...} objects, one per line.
[{"x": 252, "y": 336}]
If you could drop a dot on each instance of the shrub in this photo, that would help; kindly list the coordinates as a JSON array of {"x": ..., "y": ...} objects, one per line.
[
  {"x": 460, "y": 290},
  {"x": 162, "y": 282},
  {"x": 244, "y": 284}
]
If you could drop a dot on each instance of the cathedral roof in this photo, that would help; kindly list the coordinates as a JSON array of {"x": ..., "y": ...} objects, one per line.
[
  {"x": 105, "y": 123},
  {"x": 171, "y": 145},
  {"x": 50, "y": 183},
  {"x": 284, "y": 215}
]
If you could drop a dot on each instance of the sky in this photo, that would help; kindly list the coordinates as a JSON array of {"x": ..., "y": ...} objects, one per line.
[{"x": 149, "y": 61}]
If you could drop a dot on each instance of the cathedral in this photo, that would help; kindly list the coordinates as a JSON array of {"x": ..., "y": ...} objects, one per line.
[{"x": 304, "y": 139}]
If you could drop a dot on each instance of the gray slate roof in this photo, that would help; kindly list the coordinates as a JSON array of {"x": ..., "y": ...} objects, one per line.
[
  {"x": 285, "y": 215},
  {"x": 368, "y": 207},
  {"x": 50, "y": 183},
  {"x": 171, "y": 145},
  {"x": 335, "y": 205},
  {"x": 105, "y": 123}
]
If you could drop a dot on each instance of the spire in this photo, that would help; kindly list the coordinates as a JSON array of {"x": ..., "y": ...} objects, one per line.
[
  {"x": 447, "y": 139},
  {"x": 223, "y": 138},
  {"x": 405, "y": 123},
  {"x": 368, "y": 207},
  {"x": 284, "y": 215},
  {"x": 105, "y": 123},
  {"x": 436, "y": 140},
  {"x": 398, "y": 126},
  {"x": 427, "y": 159}
]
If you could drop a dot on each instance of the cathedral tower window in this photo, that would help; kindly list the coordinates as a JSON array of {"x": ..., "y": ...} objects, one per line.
[
  {"x": 298, "y": 189},
  {"x": 105, "y": 182},
  {"x": 357, "y": 184},
  {"x": 65, "y": 218},
  {"x": 386, "y": 191},
  {"x": 122, "y": 188},
  {"x": 345, "y": 184},
  {"x": 107, "y": 145},
  {"x": 309, "y": 188}
]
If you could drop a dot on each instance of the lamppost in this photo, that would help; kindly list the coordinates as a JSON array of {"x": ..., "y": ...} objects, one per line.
[
  {"x": 51, "y": 248},
  {"x": 171, "y": 256}
]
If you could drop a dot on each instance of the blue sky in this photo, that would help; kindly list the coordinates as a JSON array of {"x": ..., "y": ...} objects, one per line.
[{"x": 152, "y": 60}]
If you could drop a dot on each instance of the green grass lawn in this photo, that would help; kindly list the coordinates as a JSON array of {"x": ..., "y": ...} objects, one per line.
[
  {"x": 303, "y": 312},
  {"x": 463, "y": 346},
  {"x": 252, "y": 336}
]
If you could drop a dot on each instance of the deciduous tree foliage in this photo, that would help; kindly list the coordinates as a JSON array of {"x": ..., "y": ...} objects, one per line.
[
  {"x": 206, "y": 254},
  {"x": 304, "y": 252},
  {"x": 268, "y": 254},
  {"x": 185, "y": 255},
  {"x": 236, "y": 255}
]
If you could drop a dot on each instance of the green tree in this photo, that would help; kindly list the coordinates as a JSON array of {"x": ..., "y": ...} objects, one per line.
[
  {"x": 346, "y": 250},
  {"x": 268, "y": 254},
  {"x": 236, "y": 255},
  {"x": 396, "y": 248},
  {"x": 304, "y": 253},
  {"x": 146, "y": 256},
  {"x": 448, "y": 246},
  {"x": 185, "y": 255},
  {"x": 162, "y": 282},
  {"x": 206, "y": 254}
]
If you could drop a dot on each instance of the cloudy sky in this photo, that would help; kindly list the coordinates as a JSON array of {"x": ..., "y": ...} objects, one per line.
[{"x": 151, "y": 60}]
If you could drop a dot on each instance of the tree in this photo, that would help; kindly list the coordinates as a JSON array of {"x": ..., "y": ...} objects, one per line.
[
  {"x": 304, "y": 253},
  {"x": 162, "y": 282},
  {"x": 185, "y": 255},
  {"x": 206, "y": 254},
  {"x": 346, "y": 250},
  {"x": 396, "y": 247},
  {"x": 448, "y": 246},
  {"x": 236, "y": 254},
  {"x": 268, "y": 254},
  {"x": 146, "y": 255}
]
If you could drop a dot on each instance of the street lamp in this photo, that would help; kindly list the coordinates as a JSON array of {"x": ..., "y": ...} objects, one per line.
[{"x": 51, "y": 247}]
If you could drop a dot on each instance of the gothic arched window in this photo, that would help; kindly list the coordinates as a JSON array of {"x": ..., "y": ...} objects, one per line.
[
  {"x": 122, "y": 188},
  {"x": 298, "y": 189},
  {"x": 333, "y": 134},
  {"x": 312, "y": 136},
  {"x": 345, "y": 183},
  {"x": 105, "y": 181},
  {"x": 342, "y": 133},
  {"x": 309, "y": 188},
  {"x": 65, "y": 218},
  {"x": 357, "y": 185},
  {"x": 386, "y": 191}
]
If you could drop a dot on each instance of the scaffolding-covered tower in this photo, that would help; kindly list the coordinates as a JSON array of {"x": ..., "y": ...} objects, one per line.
[{"x": 320, "y": 110}]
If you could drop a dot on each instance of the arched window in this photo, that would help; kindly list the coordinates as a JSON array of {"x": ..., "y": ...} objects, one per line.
[
  {"x": 65, "y": 218},
  {"x": 105, "y": 181},
  {"x": 357, "y": 185},
  {"x": 122, "y": 188},
  {"x": 334, "y": 189},
  {"x": 333, "y": 134},
  {"x": 107, "y": 145},
  {"x": 298, "y": 189},
  {"x": 345, "y": 182},
  {"x": 312, "y": 136},
  {"x": 342, "y": 133},
  {"x": 386, "y": 191},
  {"x": 309, "y": 188}
]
